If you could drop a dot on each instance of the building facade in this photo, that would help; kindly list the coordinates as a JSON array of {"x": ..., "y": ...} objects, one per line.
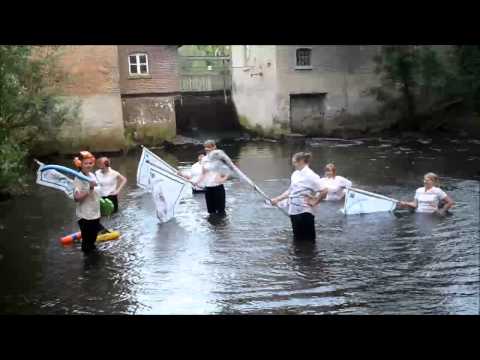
[
  {"x": 125, "y": 93},
  {"x": 313, "y": 90},
  {"x": 149, "y": 84}
]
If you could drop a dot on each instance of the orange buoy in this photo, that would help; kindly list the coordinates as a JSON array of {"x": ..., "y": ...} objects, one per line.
[{"x": 66, "y": 240}]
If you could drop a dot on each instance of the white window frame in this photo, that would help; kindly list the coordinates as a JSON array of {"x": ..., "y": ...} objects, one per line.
[
  {"x": 303, "y": 67},
  {"x": 138, "y": 64}
]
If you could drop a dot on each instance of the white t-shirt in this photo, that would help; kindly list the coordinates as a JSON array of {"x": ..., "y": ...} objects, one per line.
[
  {"x": 336, "y": 187},
  {"x": 195, "y": 173},
  {"x": 107, "y": 181},
  {"x": 89, "y": 207},
  {"x": 428, "y": 200},
  {"x": 303, "y": 182}
]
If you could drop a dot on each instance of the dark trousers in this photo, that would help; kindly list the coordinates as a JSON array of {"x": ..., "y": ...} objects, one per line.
[
  {"x": 89, "y": 229},
  {"x": 215, "y": 198},
  {"x": 114, "y": 200},
  {"x": 303, "y": 226}
]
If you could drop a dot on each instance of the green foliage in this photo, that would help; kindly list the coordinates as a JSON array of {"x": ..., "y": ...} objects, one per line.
[
  {"x": 414, "y": 78},
  {"x": 12, "y": 165},
  {"x": 200, "y": 66},
  {"x": 31, "y": 109}
]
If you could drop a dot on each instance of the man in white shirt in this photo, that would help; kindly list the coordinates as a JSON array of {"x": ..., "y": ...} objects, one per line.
[{"x": 305, "y": 183}]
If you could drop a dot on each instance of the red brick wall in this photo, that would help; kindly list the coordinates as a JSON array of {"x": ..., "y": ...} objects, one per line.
[
  {"x": 90, "y": 69},
  {"x": 162, "y": 64}
]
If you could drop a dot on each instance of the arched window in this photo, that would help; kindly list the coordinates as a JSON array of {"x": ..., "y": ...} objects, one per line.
[
  {"x": 138, "y": 64},
  {"x": 304, "y": 57}
]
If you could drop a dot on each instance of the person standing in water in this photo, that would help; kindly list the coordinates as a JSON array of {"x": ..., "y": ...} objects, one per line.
[
  {"x": 195, "y": 174},
  {"x": 212, "y": 179},
  {"x": 111, "y": 181},
  {"x": 429, "y": 197},
  {"x": 334, "y": 183},
  {"x": 304, "y": 183},
  {"x": 88, "y": 201}
]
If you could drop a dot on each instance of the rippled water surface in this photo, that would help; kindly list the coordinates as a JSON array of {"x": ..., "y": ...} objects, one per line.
[{"x": 247, "y": 263}]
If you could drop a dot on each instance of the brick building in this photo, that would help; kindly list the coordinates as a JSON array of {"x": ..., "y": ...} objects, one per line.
[
  {"x": 149, "y": 84},
  {"x": 125, "y": 92}
]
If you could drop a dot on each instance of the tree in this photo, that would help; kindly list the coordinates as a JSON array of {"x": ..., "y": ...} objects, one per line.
[{"x": 31, "y": 109}]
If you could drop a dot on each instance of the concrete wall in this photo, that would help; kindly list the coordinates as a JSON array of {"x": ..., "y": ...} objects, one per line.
[
  {"x": 342, "y": 72},
  {"x": 93, "y": 82},
  {"x": 150, "y": 119},
  {"x": 254, "y": 86}
]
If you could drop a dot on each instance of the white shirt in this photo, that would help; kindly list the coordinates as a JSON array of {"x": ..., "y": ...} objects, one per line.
[
  {"x": 428, "y": 200},
  {"x": 107, "y": 181},
  {"x": 303, "y": 182},
  {"x": 196, "y": 172},
  {"x": 89, "y": 207},
  {"x": 336, "y": 187}
]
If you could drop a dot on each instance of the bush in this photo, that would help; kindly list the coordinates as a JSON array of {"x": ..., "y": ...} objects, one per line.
[{"x": 31, "y": 109}]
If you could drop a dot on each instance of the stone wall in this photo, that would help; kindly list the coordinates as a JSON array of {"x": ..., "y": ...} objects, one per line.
[
  {"x": 341, "y": 73},
  {"x": 92, "y": 81},
  {"x": 150, "y": 119}
]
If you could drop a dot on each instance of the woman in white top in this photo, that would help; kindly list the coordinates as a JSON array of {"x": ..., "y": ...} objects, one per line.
[
  {"x": 111, "y": 181},
  {"x": 304, "y": 183},
  {"x": 428, "y": 197},
  {"x": 334, "y": 183},
  {"x": 212, "y": 179},
  {"x": 88, "y": 201},
  {"x": 195, "y": 174}
]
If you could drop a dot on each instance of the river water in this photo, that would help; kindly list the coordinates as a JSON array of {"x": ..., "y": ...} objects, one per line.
[{"x": 247, "y": 263}]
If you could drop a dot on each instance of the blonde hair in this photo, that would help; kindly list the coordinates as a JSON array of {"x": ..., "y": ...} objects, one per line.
[
  {"x": 302, "y": 156},
  {"x": 434, "y": 177}
]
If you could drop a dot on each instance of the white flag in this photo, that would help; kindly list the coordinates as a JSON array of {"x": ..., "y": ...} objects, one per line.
[
  {"x": 54, "y": 179},
  {"x": 363, "y": 202},
  {"x": 147, "y": 161},
  {"x": 167, "y": 190}
]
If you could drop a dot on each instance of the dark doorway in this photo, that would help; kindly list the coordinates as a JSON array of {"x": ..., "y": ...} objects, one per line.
[{"x": 307, "y": 112}]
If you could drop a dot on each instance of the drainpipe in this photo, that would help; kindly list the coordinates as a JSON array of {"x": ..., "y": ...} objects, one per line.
[{"x": 224, "y": 82}]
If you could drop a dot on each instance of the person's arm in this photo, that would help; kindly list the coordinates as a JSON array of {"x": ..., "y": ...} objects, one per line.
[
  {"x": 79, "y": 195},
  {"x": 281, "y": 197},
  {"x": 448, "y": 204},
  {"x": 315, "y": 200},
  {"x": 222, "y": 178},
  {"x": 405, "y": 204},
  {"x": 123, "y": 181}
]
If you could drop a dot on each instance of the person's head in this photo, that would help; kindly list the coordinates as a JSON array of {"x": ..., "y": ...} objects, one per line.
[
  {"x": 103, "y": 163},
  {"x": 209, "y": 145},
  {"x": 300, "y": 159},
  {"x": 430, "y": 180},
  {"x": 85, "y": 161},
  {"x": 200, "y": 155},
  {"x": 330, "y": 170}
]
